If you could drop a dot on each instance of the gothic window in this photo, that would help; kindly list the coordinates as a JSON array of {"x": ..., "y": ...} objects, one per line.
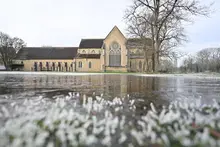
[
  {"x": 115, "y": 55},
  {"x": 90, "y": 64},
  {"x": 80, "y": 64},
  {"x": 135, "y": 65},
  {"x": 140, "y": 65},
  {"x": 137, "y": 52}
]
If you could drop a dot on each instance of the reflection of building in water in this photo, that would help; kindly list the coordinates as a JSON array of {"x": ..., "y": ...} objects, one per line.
[
  {"x": 112, "y": 53},
  {"x": 112, "y": 85}
]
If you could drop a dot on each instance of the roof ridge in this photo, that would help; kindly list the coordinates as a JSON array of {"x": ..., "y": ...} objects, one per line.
[
  {"x": 92, "y": 38},
  {"x": 47, "y": 53},
  {"x": 50, "y": 47},
  {"x": 91, "y": 43},
  {"x": 115, "y": 27}
]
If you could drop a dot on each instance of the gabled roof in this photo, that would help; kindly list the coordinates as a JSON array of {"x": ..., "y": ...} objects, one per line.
[
  {"x": 115, "y": 27},
  {"x": 28, "y": 53},
  {"x": 91, "y": 43}
]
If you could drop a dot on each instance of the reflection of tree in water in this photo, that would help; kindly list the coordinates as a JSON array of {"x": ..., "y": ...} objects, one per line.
[
  {"x": 142, "y": 84},
  {"x": 10, "y": 84},
  {"x": 146, "y": 88}
]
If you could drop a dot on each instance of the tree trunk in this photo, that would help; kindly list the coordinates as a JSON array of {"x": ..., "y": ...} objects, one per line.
[
  {"x": 153, "y": 62},
  {"x": 5, "y": 64}
]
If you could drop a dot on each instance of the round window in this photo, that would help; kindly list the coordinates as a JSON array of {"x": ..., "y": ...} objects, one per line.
[{"x": 115, "y": 45}]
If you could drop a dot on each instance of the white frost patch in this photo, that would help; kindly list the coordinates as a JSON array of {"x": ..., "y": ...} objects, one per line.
[{"x": 96, "y": 122}]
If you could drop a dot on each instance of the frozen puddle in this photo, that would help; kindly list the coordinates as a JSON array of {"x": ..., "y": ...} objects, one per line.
[{"x": 108, "y": 110}]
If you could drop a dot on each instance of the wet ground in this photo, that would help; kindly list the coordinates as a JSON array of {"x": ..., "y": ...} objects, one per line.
[{"x": 159, "y": 90}]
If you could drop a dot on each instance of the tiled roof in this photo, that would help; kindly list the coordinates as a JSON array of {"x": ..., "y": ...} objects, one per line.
[
  {"x": 137, "y": 42},
  {"x": 91, "y": 43},
  {"x": 28, "y": 53},
  {"x": 93, "y": 56}
]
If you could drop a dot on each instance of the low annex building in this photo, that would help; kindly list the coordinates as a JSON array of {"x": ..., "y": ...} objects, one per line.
[{"x": 112, "y": 53}]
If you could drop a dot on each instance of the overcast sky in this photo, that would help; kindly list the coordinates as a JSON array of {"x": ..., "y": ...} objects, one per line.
[{"x": 65, "y": 22}]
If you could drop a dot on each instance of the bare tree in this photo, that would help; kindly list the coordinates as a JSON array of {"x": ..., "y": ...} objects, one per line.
[
  {"x": 8, "y": 48},
  {"x": 162, "y": 21},
  {"x": 205, "y": 60},
  {"x": 167, "y": 65},
  {"x": 202, "y": 59},
  {"x": 189, "y": 64}
]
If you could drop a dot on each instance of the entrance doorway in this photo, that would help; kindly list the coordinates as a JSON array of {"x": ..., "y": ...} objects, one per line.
[{"x": 35, "y": 66}]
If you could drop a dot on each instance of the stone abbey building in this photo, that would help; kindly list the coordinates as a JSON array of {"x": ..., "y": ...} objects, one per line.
[{"x": 112, "y": 53}]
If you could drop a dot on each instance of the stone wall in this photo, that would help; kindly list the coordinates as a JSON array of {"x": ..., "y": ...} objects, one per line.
[{"x": 95, "y": 65}]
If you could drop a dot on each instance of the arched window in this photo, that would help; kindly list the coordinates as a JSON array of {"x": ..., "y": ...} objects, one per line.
[
  {"x": 135, "y": 64},
  {"x": 137, "y": 52},
  {"x": 83, "y": 52},
  {"x": 80, "y": 64},
  {"x": 59, "y": 64},
  {"x": 90, "y": 64},
  {"x": 140, "y": 65},
  {"x": 115, "y": 55},
  {"x": 41, "y": 66},
  {"x": 93, "y": 52},
  {"x": 53, "y": 66}
]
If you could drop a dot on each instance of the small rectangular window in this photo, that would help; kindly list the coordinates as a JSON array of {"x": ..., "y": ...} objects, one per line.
[{"x": 90, "y": 65}]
